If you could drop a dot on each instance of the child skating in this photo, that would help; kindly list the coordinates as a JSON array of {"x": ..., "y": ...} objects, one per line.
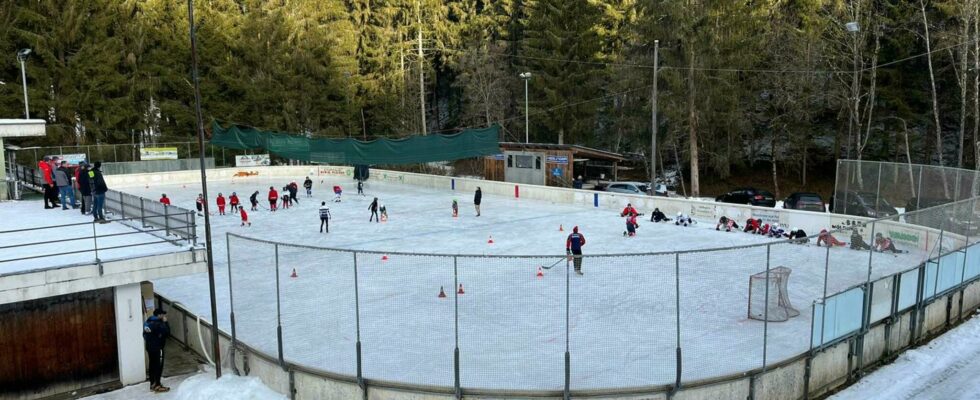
[
  {"x": 220, "y": 201},
  {"x": 273, "y": 198},
  {"x": 233, "y": 200}
]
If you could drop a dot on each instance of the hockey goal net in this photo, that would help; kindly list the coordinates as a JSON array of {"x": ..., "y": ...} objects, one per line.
[{"x": 774, "y": 304}]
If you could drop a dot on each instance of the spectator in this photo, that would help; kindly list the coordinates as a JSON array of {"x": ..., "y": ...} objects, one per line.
[
  {"x": 47, "y": 183},
  {"x": 477, "y": 199},
  {"x": 62, "y": 178},
  {"x": 577, "y": 183},
  {"x": 99, "y": 188},
  {"x": 165, "y": 200},
  {"x": 84, "y": 188},
  {"x": 155, "y": 331}
]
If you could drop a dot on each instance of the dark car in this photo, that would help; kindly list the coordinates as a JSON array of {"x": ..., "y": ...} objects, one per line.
[
  {"x": 862, "y": 204},
  {"x": 750, "y": 196},
  {"x": 804, "y": 201}
]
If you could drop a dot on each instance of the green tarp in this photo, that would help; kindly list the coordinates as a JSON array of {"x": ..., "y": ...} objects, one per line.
[{"x": 410, "y": 150}]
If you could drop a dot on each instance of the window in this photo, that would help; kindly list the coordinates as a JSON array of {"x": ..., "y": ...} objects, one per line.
[
  {"x": 537, "y": 162},
  {"x": 524, "y": 161}
]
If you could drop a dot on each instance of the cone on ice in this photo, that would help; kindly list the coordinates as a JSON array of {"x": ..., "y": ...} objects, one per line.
[
  {"x": 540, "y": 273},
  {"x": 293, "y": 275},
  {"x": 460, "y": 291},
  {"x": 384, "y": 257},
  {"x": 442, "y": 293},
  {"x": 491, "y": 240}
]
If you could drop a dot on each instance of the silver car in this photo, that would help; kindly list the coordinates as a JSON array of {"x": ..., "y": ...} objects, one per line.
[{"x": 628, "y": 187}]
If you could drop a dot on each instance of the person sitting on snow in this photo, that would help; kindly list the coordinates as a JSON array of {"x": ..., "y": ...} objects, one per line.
[
  {"x": 883, "y": 244},
  {"x": 857, "y": 241},
  {"x": 658, "y": 216},
  {"x": 798, "y": 236},
  {"x": 683, "y": 219},
  {"x": 825, "y": 238}
]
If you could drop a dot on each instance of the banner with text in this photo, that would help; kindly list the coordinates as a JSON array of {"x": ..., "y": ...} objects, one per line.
[
  {"x": 252, "y": 160},
  {"x": 158, "y": 153}
]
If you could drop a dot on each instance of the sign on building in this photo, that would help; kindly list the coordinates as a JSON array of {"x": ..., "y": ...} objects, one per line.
[
  {"x": 557, "y": 159},
  {"x": 158, "y": 153},
  {"x": 252, "y": 160}
]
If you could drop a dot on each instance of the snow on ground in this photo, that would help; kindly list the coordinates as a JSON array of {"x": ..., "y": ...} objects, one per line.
[
  {"x": 511, "y": 324},
  {"x": 31, "y": 215},
  {"x": 200, "y": 386},
  {"x": 944, "y": 369}
]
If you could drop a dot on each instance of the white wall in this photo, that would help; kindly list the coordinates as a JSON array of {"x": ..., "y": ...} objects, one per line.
[{"x": 129, "y": 334}]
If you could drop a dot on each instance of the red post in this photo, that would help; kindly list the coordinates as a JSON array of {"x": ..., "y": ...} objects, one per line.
[{"x": 517, "y": 191}]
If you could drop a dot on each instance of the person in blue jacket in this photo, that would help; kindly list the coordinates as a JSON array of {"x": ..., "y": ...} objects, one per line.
[{"x": 573, "y": 247}]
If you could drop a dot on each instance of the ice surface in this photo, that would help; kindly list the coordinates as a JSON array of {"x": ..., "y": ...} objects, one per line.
[
  {"x": 201, "y": 386},
  {"x": 945, "y": 368},
  {"x": 17, "y": 215},
  {"x": 622, "y": 313}
]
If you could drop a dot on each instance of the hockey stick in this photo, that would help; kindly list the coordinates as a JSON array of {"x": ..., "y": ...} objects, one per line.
[{"x": 556, "y": 263}]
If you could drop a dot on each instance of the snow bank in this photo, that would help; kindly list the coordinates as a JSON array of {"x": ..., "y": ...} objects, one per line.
[{"x": 203, "y": 386}]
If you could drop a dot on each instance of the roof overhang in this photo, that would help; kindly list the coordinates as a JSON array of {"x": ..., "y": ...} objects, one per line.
[{"x": 21, "y": 127}]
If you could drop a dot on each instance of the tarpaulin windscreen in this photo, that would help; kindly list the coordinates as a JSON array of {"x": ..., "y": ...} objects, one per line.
[{"x": 410, "y": 150}]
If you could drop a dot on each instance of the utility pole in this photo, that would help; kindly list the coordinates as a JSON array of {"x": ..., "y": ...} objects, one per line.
[
  {"x": 421, "y": 69},
  {"x": 653, "y": 117},
  {"x": 204, "y": 191}
]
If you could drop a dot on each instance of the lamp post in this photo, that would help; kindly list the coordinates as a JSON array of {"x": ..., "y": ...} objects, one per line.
[
  {"x": 22, "y": 56},
  {"x": 526, "y": 76}
]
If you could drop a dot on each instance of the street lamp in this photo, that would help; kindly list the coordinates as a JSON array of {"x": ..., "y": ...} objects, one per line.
[
  {"x": 526, "y": 76},
  {"x": 22, "y": 56}
]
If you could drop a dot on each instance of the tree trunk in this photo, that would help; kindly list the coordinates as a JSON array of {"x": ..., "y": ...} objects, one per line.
[
  {"x": 962, "y": 77},
  {"x": 772, "y": 155},
  {"x": 692, "y": 121},
  {"x": 870, "y": 106},
  {"x": 976, "y": 85},
  {"x": 932, "y": 82}
]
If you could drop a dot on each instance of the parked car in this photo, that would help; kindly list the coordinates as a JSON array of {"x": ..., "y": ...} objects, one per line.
[
  {"x": 750, "y": 196},
  {"x": 628, "y": 187},
  {"x": 863, "y": 204},
  {"x": 804, "y": 201}
]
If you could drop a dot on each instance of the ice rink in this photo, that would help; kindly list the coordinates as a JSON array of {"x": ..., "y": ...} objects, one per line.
[{"x": 622, "y": 312}]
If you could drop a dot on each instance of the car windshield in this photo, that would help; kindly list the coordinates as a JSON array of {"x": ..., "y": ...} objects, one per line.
[
  {"x": 643, "y": 188},
  {"x": 809, "y": 199}
]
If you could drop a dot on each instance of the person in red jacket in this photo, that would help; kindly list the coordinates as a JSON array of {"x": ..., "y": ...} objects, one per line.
[
  {"x": 233, "y": 200},
  {"x": 244, "y": 217},
  {"x": 165, "y": 200},
  {"x": 273, "y": 198},
  {"x": 826, "y": 238},
  {"x": 50, "y": 190},
  {"x": 629, "y": 210},
  {"x": 221, "y": 204}
]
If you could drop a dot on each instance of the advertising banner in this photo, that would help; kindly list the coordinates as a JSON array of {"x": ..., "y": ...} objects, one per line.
[
  {"x": 158, "y": 153},
  {"x": 73, "y": 159},
  {"x": 252, "y": 160}
]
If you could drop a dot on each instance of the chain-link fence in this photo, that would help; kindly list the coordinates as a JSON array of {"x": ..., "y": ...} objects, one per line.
[
  {"x": 119, "y": 153},
  {"x": 880, "y": 189},
  {"x": 534, "y": 323}
]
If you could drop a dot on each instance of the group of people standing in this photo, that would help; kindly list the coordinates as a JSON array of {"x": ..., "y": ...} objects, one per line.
[{"x": 61, "y": 180}]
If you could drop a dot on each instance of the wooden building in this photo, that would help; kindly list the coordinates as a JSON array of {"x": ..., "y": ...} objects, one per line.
[{"x": 550, "y": 164}]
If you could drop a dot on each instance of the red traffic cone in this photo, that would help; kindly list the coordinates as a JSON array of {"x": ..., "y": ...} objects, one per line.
[
  {"x": 293, "y": 275},
  {"x": 491, "y": 240},
  {"x": 540, "y": 273},
  {"x": 384, "y": 257},
  {"x": 460, "y": 291},
  {"x": 561, "y": 228},
  {"x": 442, "y": 293}
]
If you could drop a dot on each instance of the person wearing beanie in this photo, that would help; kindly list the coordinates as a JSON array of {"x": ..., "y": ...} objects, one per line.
[
  {"x": 99, "y": 189},
  {"x": 84, "y": 188},
  {"x": 573, "y": 248},
  {"x": 155, "y": 332}
]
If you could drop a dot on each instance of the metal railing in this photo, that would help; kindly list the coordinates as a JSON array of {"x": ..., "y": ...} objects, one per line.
[
  {"x": 661, "y": 318},
  {"x": 116, "y": 153}
]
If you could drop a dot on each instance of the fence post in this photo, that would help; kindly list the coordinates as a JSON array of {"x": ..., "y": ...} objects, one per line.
[
  {"x": 677, "y": 314},
  {"x": 357, "y": 325},
  {"x": 458, "y": 391},
  {"x": 166, "y": 219},
  {"x": 193, "y": 231},
  {"x": 231, "y": 301},
  {"x": 282, "y": 361},
  {"x": 122, "y": 206},
  {"x": 142, "y": 213},
  {"x": 568, "y": 356},
  {"x": 95, "y": 245},
  {"x": 823, "y": 300},
  {"x": 765, "y": 319}
]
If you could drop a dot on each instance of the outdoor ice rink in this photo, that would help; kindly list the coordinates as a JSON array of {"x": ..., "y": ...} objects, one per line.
[{"x": 622, "y": 313}]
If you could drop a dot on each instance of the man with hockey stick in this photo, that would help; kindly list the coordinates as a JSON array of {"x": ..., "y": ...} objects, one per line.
[
  {"x": 254, "y": 199},
  {"x": 573, "y": 248}
]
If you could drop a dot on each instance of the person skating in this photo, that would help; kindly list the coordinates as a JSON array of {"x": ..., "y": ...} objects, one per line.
[
  {"x": 573, "y": 248},
  {"x": 798, "y": 236},
  {"x": 285, "y": 197},
  {"x": 308, "y": 185},
  {"x": 477, "y": 199},
  {"x": 629, "y": 210},
  {"x": 883, "y": 244},
  {"x": 254, "y": 199},
  {"x": 631, "y": 225},
  {"x": 273, "y": 198},
  {"x": 455, "y": 208},
  {"x": 826, "y": 239},
  {"x": 293, "y": 190},
  {"x": 857, "y": 241},
  {"x": 155, "y": 332},
  {"x": 324, "y": 217},
  {"x": 683, "y": 219},
  {"x": 658, "y": 216},
  {"x": 66, "y": 190},
  {"x": 235, "y": 203},
  {"x": 84, "y": 187},
  {"x": 164, "y": 199},
  {"x": 384, "y": 213},
  {"x": 200, "y": 204},
  {"x": 99, "y": 189},
  {"x": 220, "y": 201},
  {"x": 244, "y": 215},
  {"x": 337, "y": 191},
  {"x": 360, "y": 187},
  {"x": 374, "y": 211}
]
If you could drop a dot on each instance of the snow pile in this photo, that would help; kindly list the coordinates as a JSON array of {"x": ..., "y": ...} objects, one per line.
[
  {"x": 229, "y": 387},
  {"x": 946, "y": 369}
]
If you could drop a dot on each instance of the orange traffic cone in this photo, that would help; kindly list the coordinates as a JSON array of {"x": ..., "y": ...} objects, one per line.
[
  {"x": 384, "y": 257},
  {"x": 540, "y": 273},
  {"x": 561, "y": 228},
  {"x": 460, "y": 291},
  {"x": 442, "y": 293},
  {"x": 293, "y": 275},
  {"x": 491, "y": 240}
]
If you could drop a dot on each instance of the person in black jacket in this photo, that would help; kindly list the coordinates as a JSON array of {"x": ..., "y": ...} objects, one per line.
[
  {"x": 84, "y": 187},
  {"x": 477, "y": 198},
  {"x": 155, "y": 332},
  {"x": 308, "y": 184},
  {"x": 254, "y": 199},
  {"x": 374, "y": 211},
  {"x": 99, "y": 188}
]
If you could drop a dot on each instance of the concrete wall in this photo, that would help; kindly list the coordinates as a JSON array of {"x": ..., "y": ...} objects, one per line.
[{"x": 129, "y": 334}]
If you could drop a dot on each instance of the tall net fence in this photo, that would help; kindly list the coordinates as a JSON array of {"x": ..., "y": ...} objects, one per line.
[
  {"x": 880, "y": 189},
  {"x": 539, "y": 323}
]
